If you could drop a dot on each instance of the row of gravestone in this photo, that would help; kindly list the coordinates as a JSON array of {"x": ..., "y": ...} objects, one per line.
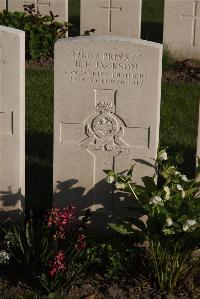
[
  {"x": 106, "y": 116},
  {"x": 123, "y": 18}
]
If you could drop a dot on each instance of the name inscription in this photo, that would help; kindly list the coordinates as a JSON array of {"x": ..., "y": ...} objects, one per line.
[{"x": 106, "y": 68}]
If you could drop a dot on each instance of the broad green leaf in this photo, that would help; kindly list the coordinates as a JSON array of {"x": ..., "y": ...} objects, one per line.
[{"x": 123, "y": 229}]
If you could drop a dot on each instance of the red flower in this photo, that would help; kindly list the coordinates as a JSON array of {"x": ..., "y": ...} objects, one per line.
[
  {"x": 57, "y": 264},
  {"x": 81, "y": 242},
  {"x": 61, "y": 220}
]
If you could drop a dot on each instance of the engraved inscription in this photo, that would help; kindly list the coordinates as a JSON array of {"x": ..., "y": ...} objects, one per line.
[{"x": 106, "y": 68}]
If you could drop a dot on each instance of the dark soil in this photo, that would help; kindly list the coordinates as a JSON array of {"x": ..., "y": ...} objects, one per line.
[
  {"x": 16, "y": 283},
  {"x": 181, "y": 71},
  {"x": 40, "y": 64}
]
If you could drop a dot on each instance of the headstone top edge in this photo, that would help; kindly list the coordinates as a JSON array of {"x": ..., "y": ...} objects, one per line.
[
  {"x": 131, "y": 40},
  {"x": 11, "y": 30},
  {"x": 140, "y": 1}
]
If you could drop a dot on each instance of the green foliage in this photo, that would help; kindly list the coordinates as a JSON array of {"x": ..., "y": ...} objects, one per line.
[
  {"x": 173, "y": 225},
  {"x": 107, "y": 259},
  {"x": 53, "y": 257},
  {"x": 168, "y": 61},
  {"x": 113, "y": 258},
  {"x": 41, "y": 31}
]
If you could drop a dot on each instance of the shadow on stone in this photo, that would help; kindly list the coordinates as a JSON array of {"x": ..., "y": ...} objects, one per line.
[
  {"x": 9, "y": 211},
  {"x": 109, "y": 207}
]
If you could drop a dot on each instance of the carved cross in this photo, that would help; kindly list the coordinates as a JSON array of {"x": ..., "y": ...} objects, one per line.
[
  {"x": 194, "y": 19},
  {"x": 110, "y": 9},
  {"x": 103, "y": 134}
]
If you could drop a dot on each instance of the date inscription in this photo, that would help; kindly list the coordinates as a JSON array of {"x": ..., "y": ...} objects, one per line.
[{"x": 106, "y": 68}]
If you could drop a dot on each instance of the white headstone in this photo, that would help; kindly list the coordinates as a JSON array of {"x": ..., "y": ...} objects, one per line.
[
  {"x": 58, "y": 7},
  {"x": 107, "y": 113},
  {"x": 2, "y": 5},
  {"x": 182, "y": 28},
  {"x": 115, "y": 17},
  {"x": 12, "y": 121}
]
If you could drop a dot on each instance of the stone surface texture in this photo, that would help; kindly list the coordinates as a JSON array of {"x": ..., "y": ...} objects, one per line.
[
  {"x": 182, "y": 28},
  {"x": 106, "y": 116},
  {"x": 2, "y": 5},
  {"x": 12, "y": 121},
  {"x": 58, "y": 7},
  {"x": 114, "y": 17}
]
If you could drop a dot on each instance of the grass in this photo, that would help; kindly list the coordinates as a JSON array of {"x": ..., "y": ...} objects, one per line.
[
  {"x": 179, "y": 121},
  {"x": 178, "y": 130},
  {"x": 39, "y": 139}
]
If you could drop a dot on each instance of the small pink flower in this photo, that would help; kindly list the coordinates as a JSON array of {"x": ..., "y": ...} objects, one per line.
[
  {"x": 81, "y": 242},
  {"x": 57, "y": 264},
  {"x": 60, "y": 220}
]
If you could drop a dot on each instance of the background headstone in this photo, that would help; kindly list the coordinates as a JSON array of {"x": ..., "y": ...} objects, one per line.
[
  {"x": 115, "y": 17},
  {"x": 12, "y": 122},
  {"x": 58, "y": 7},
  {"x": 107, "y": 113},
  {"x": 2, "y": 5},
  {"x": 182, "y": 28}
]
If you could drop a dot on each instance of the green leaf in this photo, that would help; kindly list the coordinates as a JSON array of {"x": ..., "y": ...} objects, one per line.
[
  {"x": 123, "y": 229},
  {"x": 191, "y": 191},
  {"x": 109, "y": 172},
  {"x": 149, "y": 184},
  {"x": 130, "y": 172}
]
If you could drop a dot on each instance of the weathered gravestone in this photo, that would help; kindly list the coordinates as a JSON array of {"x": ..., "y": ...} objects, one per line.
[
  {"x": 107, "y": 112},
  {"x": 115, "y": 17},
  {"x": 2, "y": 5},
  {"x": 182, "y": 28},
  {"x": 58, "y": 7},
  {"x": 12, "y": 118}
]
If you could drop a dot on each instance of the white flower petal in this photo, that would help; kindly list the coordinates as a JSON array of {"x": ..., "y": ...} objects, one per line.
[
  {"x": 183, "y": 193},
  {"x": 110, "y": 179},
  {"x": 185, "y": 227},
  {"x": 169, "y": 221},
  {"x": 162, "y": 156},
  {"x": 167, "y": 190},
  {"x": 184, "y": 178},
  {"x": 177, "y": 173},
  {"x": 191, "y": 222},
  {"x": 158, "y": 198},
  {"x": 179, "y": 187},
  {"x": 120, "y": 186}
]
